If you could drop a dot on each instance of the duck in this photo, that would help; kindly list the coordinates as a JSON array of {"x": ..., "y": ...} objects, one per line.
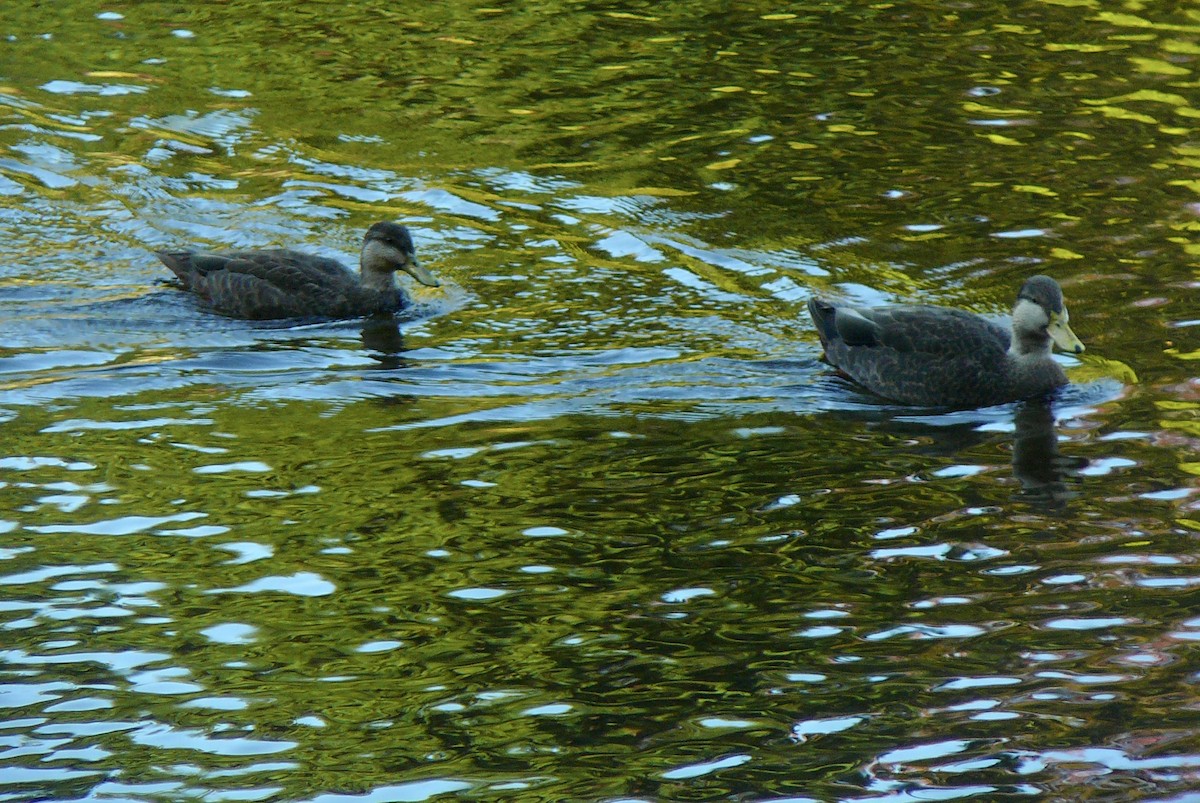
[
  {"x": 928, "y": 356},
  {"x": 282, "y": 283}
]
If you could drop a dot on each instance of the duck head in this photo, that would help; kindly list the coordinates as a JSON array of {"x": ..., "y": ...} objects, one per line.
[
  {"x": 1040, "y": 316},
  {"x": 388, "y": 247}
]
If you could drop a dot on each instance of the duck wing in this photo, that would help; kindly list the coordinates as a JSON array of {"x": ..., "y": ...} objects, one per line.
[
  {"x": 268, "y": 284},
  {"x": 934, "y": 331}
]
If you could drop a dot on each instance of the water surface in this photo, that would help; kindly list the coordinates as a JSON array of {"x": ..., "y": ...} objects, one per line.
[{"x": 592, "y": 521}]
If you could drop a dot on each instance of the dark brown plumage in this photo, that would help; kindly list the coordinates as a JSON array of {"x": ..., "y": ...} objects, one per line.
[
  {"x": 941, "y": 357},
  {"x": 282, "y": 283}
]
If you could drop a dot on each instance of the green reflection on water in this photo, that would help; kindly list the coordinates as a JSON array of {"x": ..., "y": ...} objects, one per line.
[{"x": 476, "y": 601}]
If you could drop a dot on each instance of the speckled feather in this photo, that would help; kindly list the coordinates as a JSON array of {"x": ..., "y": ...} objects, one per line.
[
  {"x": 930, "y": 356},
  {"x": 278, "y": 284}
]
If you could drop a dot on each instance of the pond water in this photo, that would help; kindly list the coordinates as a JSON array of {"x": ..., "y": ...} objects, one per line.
[{"x": 593, "y": 521}]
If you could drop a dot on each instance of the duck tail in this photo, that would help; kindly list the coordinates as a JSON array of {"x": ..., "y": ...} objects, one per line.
[
  {"x": 180, "y": 264},
  {"x": 823, "y": 313}
]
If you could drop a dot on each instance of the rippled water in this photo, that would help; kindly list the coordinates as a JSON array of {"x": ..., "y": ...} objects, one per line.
[{"x": 592, "y": 521}]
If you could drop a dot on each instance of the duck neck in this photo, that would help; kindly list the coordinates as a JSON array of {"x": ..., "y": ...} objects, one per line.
[
  {"x": 1029, "y": 345},
  {"x": 381, "y": 281},
  {"x": 375, "y": 271}
]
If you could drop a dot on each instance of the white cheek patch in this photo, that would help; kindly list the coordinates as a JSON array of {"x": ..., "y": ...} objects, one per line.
[{"x": 1029, "y": 315}]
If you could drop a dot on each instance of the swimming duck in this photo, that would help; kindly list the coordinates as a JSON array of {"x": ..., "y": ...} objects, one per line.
[
  {"x": 281, "y": 283},
  {"x": 941, "y": 357}
]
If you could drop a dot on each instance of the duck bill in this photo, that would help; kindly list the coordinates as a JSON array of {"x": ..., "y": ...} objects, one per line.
[
  {"x": 1061, "y": 334},
  {"x": 420, "y": 274}
]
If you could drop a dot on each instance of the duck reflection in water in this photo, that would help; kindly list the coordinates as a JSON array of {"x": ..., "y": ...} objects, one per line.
[
  {"x": 381, "y": 335},
  {"x": 1037, "y": 463},
  {"x": 1047, "y": 477}
]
